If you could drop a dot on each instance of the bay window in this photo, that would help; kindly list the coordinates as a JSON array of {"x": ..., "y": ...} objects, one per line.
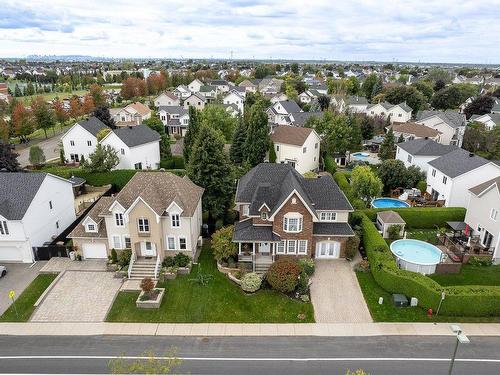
[{"x": 292, "y": 223}]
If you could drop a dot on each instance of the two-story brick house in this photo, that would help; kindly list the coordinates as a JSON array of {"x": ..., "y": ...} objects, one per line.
[{"x": 284, "y": 214}]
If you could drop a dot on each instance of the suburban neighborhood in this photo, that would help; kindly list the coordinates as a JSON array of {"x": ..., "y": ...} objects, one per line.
[{"x": 225, "y": 212}]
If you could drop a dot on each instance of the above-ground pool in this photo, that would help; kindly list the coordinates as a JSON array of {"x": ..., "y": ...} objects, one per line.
[
  {"x": 389, "y": 203},
  {"x": 361, "y": 155},
  {"x": 417, "y": 256}
]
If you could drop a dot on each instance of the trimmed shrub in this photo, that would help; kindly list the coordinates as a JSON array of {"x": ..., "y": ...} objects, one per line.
[
  {"x": 303, "y": 285},
  {"x": 251, "y": 282},
  {"x": 307, "y": 265},
  {"x": 223, "y": 246},
  {"x": 147, "y": 285},
  {"x": 181, "y": 260},
  {"x": 330, "y": 165},
  {"x": 423, "y": 217},
  {"x": 114, "y": 256},
  {"x": 168, "y": 262},
  {"x": 480, "y": 261},
  {"x": 283, "y": 275},
  {"x": 124, "y": 257},
  {"x": 352, "y": 247}
]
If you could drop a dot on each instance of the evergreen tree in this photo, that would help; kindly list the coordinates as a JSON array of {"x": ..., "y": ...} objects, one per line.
[
  {"x": 377, "y": 88},
  {"x": 257, "y": 141},
  {"x": 30, "y": 89},
  {"x": 401, "y": 138},
  {"x": 36, "y": 156},
  {"x": 272, "y": 152},
  {"x": 192, "y": 132},
  {"x": 8, "y": 158},
  {"x": 17, "y": 91},
  {"x": 102, "y": 113},
  {"x": 236, "y": 152},
  {"x": 165, "y": 152},
  {"x": 209, "y": 167},
  {"x": 387, "y": 147}
]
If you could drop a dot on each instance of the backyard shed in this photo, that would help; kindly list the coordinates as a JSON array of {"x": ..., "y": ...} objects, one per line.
[{"x": 386, "y": 219}]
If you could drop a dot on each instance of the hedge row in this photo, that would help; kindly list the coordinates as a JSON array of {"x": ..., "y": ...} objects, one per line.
[
  {"x": 459, "y": 300},
  {"x": 344, "y": 185},
  {"x": 423, "y": 217},
  {"x": 330, "y": 165},
  {"x": 175, "y": 162}
]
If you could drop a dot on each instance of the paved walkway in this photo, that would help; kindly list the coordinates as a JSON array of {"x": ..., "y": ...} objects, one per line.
[
  {"x": 60, "y": 264},
  {"x": 79, "y": 296},
  {"x": 216, "y": 329},
  {"x": 335, "y": 294}
]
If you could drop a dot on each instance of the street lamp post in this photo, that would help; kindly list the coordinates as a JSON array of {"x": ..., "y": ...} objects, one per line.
[{"x": 461, "y": 339}]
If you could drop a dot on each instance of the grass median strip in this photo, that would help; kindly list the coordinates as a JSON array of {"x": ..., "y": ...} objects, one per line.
[{"x": 25, "y": 301}]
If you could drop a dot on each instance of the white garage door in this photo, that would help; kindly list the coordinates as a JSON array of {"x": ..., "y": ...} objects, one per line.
[
  {"x": 94, "y": 251},
  {"x": 327, "y": 250},
  {"x": 11, "y": 254}
]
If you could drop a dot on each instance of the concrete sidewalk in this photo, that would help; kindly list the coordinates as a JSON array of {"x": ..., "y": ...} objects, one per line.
[{"x": 223, "y": 329}]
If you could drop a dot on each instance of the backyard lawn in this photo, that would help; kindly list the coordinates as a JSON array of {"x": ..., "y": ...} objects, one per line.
[
  {"x": 388, "y": 313},
  {"x": 221, "y": 301},
  {"x": 427, "y": 235},
  {"x": 471, "y": 275},
  {"x": 24, "y": 302}
]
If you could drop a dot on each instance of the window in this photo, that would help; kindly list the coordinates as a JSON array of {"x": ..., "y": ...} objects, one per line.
[
  {"x": 246, "y": 210},
  {"x": 292, "y": 224},
  {"x": 91, "y": 228},
  {"x": 126, "y": 240},
  {"x": 89, "y": 143},
  {"x": 263, "y": 215},
  {"x": 176, "y": 221},
  {"x": 122, "y": 151},
  {"x": 316, "y": 145},
  {"x": 182, "y": 243},
  {"x": 400, "y": 115},
  {"x": 280, "y": 247},
  {"x": 409, "y": 158},
  {"x": 4, "y": 229},
  {"x": 117, "y": 242},
  {"x": 119, "y": 219},
  {"x": 50, "y": 205},
  {"x": 328, "y": 216},
  {"x": 304, "y": 150},
  {"x": 433, "y": 173},
  {"x": 138, "y": 166},
  {"x": 170, "y": 243},
  {"x": 72, "y": 143},
  {"x": 148, "y": 245},
  {"x": 57, "y": 224},
  {"x": 302, "y": 248},
  {"x": 277, "y": 147},
  {"x": 292, "y": 247},
  {"x": 143, "y": 225},
  {"x": 493, "y": 214},
  {"x": 445, "y": 179}
]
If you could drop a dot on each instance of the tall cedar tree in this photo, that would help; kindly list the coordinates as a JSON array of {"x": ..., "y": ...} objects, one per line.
[
  {"x": 257, "y": 141},
  {"x": 387, "y": 147},
  {"x": 102, "y": 113},
  {"x": 209, "y": 167},
  {"x": 236, "y": 152},
  {"x": 8, "y": 158},
  {"x": 192, "y": 132},
  {"x": 272, "y": 152}
]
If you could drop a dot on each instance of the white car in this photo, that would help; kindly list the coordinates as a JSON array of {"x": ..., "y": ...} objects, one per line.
[{"x": 3, "y": 271}]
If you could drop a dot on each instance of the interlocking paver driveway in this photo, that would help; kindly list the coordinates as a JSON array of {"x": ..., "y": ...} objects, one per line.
[
  {"x": 335, "y": 294},
  {"x": 79, "y": 296}
]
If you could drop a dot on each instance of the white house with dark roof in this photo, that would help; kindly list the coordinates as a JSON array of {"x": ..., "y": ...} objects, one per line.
[
  {"x": 450, "y": 124},
  {"x": 175, "y": 119},
  {"x": 396, "y": 112},
  {"x": 450, "y": 176},
  {"x": 419, "y": 152},
  {"x": 34, "y": 209},
  {"x": 483, "y": 215},
  {"x": 81, "y": 139},
  {"x": 281, "y": 213},
  {"x": 209, "y": 92},
  {"x": 236, "y": 99},
  {"x": 182, "y": 92},
  {"x": 195, "y": 85},
  {"x": 195, "y": 100},
  {"x": 279, "y": 112},
  {"x": 138, "y": 147},
  {"x": 490, "y": 120},
  {"x": 357, "y": 104},
  {"x": 296, "y": 146},
  {"x": 166, "y": 99}
]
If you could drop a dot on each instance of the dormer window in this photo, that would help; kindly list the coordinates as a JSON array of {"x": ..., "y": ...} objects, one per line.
[
  {"x": 263, "y": 215},
  {"x": 246, "y": 210},
  {"x": 119, "y": 219},
  {"x": 90, "y": 228},
  {"x": 176, "y": 221}
]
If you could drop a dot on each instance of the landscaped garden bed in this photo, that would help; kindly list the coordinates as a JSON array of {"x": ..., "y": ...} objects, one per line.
[{"x": 219, "y": 301}]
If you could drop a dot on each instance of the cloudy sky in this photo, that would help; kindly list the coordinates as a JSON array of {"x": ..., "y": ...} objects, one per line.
[{"x": 383, "y": 30}]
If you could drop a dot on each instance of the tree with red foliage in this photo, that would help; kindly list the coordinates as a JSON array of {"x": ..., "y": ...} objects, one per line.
[
  {"x": 133, "y": 87},
  {"x": 75, "y": 107},
  {"x": 88, "y": 104},
  {"x": 22, "y": 120},
  {"x": 60, "y": 113}
]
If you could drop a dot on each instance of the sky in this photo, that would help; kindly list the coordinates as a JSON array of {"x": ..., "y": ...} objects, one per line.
[{"x": 355, "y": 30}]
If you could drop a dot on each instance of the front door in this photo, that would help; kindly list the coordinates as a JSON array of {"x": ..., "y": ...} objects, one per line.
[
  {"x": 327, "y": 249},
  {"x": 487, "y": 239},
  {"x": 434, "y": 195},
  {"x": 264, "y": 248},
  {"x": 148, "y": 249}
]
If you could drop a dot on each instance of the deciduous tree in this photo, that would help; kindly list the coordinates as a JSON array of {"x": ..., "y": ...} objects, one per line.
[
  {"x": 43, "y": 115},
  {"x": 365, "y": 184},
  {"x": 479, "y": 106},
  {"x": 37, "y": 156},
  {"x": 103, "y": 159}
]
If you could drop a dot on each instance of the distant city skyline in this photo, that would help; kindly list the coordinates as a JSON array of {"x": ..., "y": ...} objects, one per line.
[{"x": 359, "y": 30}]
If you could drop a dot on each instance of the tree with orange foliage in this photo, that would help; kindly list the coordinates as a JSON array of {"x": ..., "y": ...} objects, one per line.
[
  {"x": 4, "y": 130},
  {"x": 133, "y": 87},
  {"x": 22, "y": 121},
  {"x": 75, "y": 109},
  {"x": 98, "y": 95},
  {"x": 88, "y": 104},
  {"x": 60, "y": 113}
]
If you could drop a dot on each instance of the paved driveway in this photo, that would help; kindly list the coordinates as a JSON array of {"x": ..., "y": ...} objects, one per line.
[
  {"x": 49, "y": 146},
  {"x": 335, "y": 294},
  {"x": 79, "y": 296},
  {"x": 19, "y": 276}
]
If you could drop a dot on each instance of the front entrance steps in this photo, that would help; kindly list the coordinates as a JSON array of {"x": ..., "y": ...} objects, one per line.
[{"x": 143, "y": 267}]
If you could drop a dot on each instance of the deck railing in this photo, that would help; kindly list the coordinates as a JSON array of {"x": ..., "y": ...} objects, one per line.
[{"x": 131, "y": 263}]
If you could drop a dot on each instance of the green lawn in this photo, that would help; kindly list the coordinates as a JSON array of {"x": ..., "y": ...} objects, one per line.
[
  {"x": 24, "y": 302},
  {"x": 388, "y": 313},
  {"x": 427, "y": 235},
  {"x": 471, "y": 275},
  {"x": 52, "y": 95},
  {"x": 221, "y": 301}
]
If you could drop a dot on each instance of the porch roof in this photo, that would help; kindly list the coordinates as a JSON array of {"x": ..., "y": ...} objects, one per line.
[
  {"x": 332, "y": 229},
  {"x": 245, "y": 231}
]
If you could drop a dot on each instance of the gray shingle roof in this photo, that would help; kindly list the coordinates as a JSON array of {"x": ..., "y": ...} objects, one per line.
[
  {"x": 333, "y": 229},
  {"x": 458, "y": 162},
  {"x": 245, "y": 231},
  {"x": 173, "y": 109},
  {"x": 93, "y": 125},
  {"x": 17, "y": 192},
  {"x": 495, "y": 117},
  {"x": 426, "y": 147},
  {"x": 271, "y": 184},
  {"x": 290, "y": 106},
  {"x": 360, "y": 100},
  {"x": 452, "y": 118},
  {"x": 136, "y": 135},
  {"x": 300, "y": 118},
  {"x": 388, "y": 106}
]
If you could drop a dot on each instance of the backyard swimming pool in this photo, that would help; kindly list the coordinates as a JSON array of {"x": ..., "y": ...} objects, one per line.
[
  {"x": 416, "y": 256},
  {"x": 389, "y": 203},
  {"x": 361, "y": 155}
]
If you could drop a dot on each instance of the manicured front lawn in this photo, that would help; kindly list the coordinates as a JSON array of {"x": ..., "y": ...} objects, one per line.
[
  {"x": 24, "y": 302},
  {"x": 471, "y": 275},
  {"x": 221, "y": 301},
  {"x": 388, "y": 313}
]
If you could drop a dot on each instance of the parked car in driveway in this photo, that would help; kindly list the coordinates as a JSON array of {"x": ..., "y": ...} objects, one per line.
[{"x": 3, "y": 271}]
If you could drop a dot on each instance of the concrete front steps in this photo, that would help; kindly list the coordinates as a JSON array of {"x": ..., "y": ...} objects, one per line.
[
  {"x": 261, "y": 268},
  {"x": 143, "y": 268}
]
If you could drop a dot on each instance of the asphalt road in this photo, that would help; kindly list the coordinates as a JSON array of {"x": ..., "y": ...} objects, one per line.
[
  {"x": 49, "y": 146},
  {"x": 385, "y": 355}
]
